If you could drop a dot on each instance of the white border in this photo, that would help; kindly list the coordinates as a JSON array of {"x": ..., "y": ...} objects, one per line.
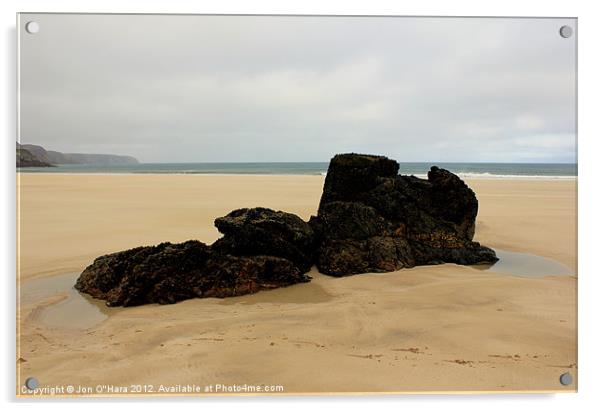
[{"x": 589, "y": 187}]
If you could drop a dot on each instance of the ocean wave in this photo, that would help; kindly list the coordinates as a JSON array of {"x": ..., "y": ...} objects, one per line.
[
  {"x": 192, "y": 171},
  {"x": 490, "y": 176},
  {"x": 513, "y": 176}
]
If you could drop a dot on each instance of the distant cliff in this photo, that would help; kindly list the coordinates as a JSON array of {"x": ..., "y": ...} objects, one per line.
[
  {"x": 56, "y": 157},
  {"x": 26, "y": 159}
]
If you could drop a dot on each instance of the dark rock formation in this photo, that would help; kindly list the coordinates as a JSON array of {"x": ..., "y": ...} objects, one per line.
[
  {"x": 26, "y": 159},
  {"x": 56, "y": 157},
  {"x": 168, "y": 273},
  {"x": 371, "y": 219},
  {"x": 257, "y": 231}
]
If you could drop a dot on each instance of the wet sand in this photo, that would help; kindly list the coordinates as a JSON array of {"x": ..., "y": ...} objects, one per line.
[{"x": 440, "y": 328}]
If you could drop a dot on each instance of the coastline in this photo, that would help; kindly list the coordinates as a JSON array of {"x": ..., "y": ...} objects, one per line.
[
  {"x": 434, "y": 328},
  {"x": 464, "y": 176},
  {"x": 465, "y": 170}
]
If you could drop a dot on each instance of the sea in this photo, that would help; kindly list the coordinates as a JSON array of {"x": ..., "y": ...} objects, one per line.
[{"x": 464, "y": 170}]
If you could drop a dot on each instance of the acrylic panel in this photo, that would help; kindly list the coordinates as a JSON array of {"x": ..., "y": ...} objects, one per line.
[{"x": 272, "y": 205}]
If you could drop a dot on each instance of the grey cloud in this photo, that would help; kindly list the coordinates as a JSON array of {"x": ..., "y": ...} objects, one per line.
[{"x": 241, "y": 88}]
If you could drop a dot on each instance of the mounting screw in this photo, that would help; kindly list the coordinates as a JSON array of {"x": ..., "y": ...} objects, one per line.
[
  {"x": 566, "y": 378},
  {"x": 566, "y": 31},
  {"x": 31, "y": 383},
  {"x": 32, "y": 27}
]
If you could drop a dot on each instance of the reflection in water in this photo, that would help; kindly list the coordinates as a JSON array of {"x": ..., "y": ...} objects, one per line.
[{"x": 525, "y": 265}]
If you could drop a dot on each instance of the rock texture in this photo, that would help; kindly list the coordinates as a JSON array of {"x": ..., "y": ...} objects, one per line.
[
  {"x": 371, "y": 219},
  {"x": 168, "y": 273},
  {"x": 26, "y": 159},
  {"x": 256, "y": 231}
]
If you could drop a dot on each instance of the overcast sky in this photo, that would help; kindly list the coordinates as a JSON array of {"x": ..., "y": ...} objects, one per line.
[{"x": 227, "y": 88}]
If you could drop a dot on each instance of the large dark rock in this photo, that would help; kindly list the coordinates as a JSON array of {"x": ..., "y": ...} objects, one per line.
[
  {"x": 261, "y": 231},
  {"x": 168, "y": 273},
  {"x": 371, "y": 219}
]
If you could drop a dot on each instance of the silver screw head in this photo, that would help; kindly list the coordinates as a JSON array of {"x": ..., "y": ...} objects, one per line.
[
  {"x": 566, "y": 32},
  {"x": 32, "y": 27},
  {"x": 32, "y": 383},
  {"x": 566, "y": 378}
]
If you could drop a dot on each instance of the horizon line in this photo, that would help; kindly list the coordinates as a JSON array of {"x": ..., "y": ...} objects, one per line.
[{"x": 328, "y": 161}]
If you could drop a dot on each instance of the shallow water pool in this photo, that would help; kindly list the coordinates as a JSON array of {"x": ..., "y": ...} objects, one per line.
[
  {"x": 525, "y": 265},
  {"x": 76, "y": 310}
]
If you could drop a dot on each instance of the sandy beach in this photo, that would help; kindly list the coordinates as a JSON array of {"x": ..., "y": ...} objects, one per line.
[{"x": 437, "y": 328}]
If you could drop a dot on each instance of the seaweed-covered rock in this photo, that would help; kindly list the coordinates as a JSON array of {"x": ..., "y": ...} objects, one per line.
[
  {"x": 371, "y": 219},
  {"x": 261, "y": 231},
  {"x": 168, "y": 273}
]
